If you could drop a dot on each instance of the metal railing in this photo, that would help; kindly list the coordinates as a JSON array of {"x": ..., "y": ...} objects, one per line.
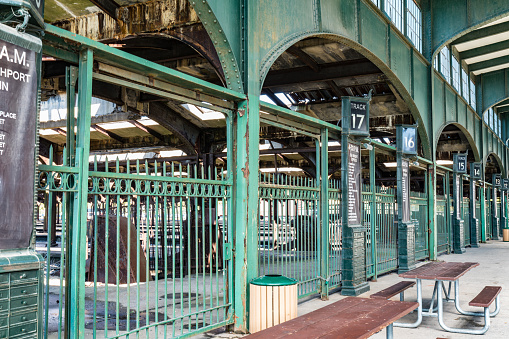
[
  {"x": 288, "y": 232},
  {"x": 157, "y": 246},
  {"x": 334, "y": 233},
  {"x": 489, "y": 212},
  {"x": 419, "y": 214},
  {"x": 465, "y": 213},
  {"x": 442, "y": 224}
]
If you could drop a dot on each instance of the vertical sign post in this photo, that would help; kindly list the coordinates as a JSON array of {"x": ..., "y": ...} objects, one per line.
[
  {"x": 505, "y": 225},
  {"x": 354, "y": 126},
  {"x": 497, "y": 184},
  {"x": 475, "y": 176},
  {"x": 406, "y": 140},
  {"x": 458, "y": 232},
  {"x": 503, "y": 209}
]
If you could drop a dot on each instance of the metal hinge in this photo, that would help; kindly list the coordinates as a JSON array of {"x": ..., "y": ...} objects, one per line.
[{"x": 227, "y": 251}]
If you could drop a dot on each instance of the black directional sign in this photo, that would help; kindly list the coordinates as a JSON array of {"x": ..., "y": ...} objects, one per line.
[
  {"x": 476, "y": 174},
  {"x": 355, "y": 115},
  {"x": 409, "y": 140},
  {"x": 359, "y": 117},
  {"x": 460, "y": 163},
  {"x": 497, "y": 180}
]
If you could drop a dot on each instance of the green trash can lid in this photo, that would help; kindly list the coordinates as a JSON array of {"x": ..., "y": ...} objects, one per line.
[{"x": 273, "y": 280}]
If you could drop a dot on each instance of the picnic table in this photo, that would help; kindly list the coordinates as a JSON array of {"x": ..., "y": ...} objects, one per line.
[
  {"x": 450, "y": 272},
  {"x": 348, "y": 318}
]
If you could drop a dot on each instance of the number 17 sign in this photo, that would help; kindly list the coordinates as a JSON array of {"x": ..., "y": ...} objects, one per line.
[{"x": 355, "y": 115}]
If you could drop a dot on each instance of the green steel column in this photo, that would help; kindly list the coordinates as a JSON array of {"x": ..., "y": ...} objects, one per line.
[
  {"x": 483, "y": 212},
  {"x": 495, "y": 213},
  {"x": 246, "y": 163},
  {"x": 474, "y": 219},
  {"x": 448, "y": 219},
  {"x": 76, "y": 300},
  {"x": 503, "y": 219},
  {"x": 245, "y": 206},
  {"x": 458, "y": 233},
  {"x": 71, "y": 75},
  {"x": 372, "y": 184},
  {"x": 353, "y": 255},
  {"x": 406, "y": 229},
  {"x": 431, "y": 180},
  {"x": 324, "y": 218}
]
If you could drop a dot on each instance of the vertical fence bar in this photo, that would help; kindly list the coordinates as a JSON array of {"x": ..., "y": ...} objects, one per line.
[
  {"x": 373, "y": 218},
  {"x": 324, "y": 218},
  {"x": 76, "y": 306}
]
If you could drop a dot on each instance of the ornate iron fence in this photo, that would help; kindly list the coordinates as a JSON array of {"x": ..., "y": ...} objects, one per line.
[
  {"x": 289, "y": 232},
  {"x": 419, "y": 212}
]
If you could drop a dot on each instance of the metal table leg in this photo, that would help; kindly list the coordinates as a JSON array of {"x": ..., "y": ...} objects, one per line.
[
  {"x": 460, "y": 330},
  {"x": 460, "y": 310},
  {"x": 419, "y": 309},
  {"x": 390, "y": 332}
]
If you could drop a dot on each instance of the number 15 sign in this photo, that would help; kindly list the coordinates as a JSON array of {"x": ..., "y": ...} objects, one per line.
[{"x": 355, "y": 115}]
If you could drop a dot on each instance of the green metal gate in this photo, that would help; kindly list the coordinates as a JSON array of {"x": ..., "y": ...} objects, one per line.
[
  {"x": 489, "y": 210},
  {"x": 334, "y": 233},
  {"x": 419, "y": 210},
  {"x": 386, "y": 229},
  {"x": 465, "y": 212},
  {"x": 443, "y": 228},
  {"x": 288, "y": 230},
  {"x": 157, "y": 246}
]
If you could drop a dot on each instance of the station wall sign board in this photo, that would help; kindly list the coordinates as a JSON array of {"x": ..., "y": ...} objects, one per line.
[
  {"x": 355, "y": 115},
  {"x": 505, "y": 184},
  {"x": 405, "y": 186},
  {"x": 18, "y": 116},
  {"x": 460, "y": 163},
  {"x": 476, "y": 173},
  {"x": 354, "y": 184},
  {"x": 457, "y": 198}
]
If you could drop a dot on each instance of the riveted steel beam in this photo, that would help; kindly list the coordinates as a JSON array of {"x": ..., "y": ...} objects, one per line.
[
  {"x": 223, "y": 45},
  {"x": 468, "y": 16}
]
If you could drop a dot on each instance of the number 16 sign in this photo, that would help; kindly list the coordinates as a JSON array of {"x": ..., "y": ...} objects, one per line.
[{"x": 407, "y": 139}]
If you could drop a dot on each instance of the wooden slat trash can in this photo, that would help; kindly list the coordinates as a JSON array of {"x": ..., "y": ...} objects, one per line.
[{"x": 273, "y": 300}]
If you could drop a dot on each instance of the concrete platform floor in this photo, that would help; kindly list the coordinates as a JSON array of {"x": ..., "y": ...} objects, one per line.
[{"x": 493, "y": 270}]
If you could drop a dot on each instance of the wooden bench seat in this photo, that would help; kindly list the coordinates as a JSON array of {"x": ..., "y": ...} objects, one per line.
[
  {"x": 390, "y": 292},
  {"x": 486, "y": 297}
]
